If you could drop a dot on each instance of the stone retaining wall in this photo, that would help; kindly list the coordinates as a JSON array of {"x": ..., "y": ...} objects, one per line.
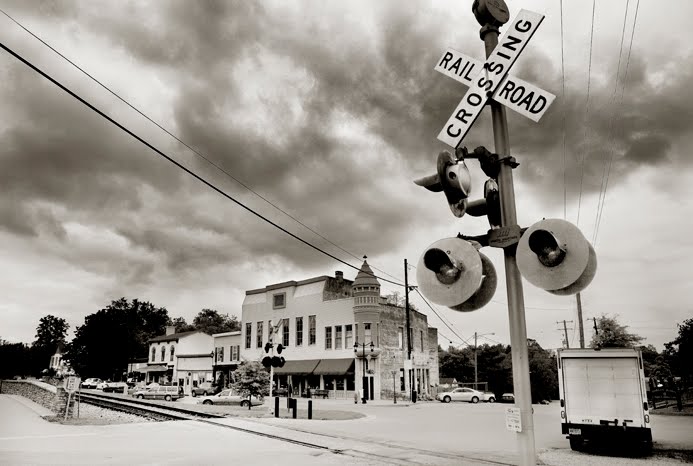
[{"x": 47, "y": 395}]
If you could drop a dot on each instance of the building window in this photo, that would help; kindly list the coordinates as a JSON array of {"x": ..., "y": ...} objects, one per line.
[
  {"x": 348, "y": 336},
  {"x": 248, "y": 334},
  {"x": 234, "y": 352},
  {"x": 258, "y": 337},
  {"x": 311, "y": 330},
  {"x": 367, "y": 337},
  {"x": 285, "y": 333},
  {"x": 328, "y": 337},
  {"x": 220, "y": 354},
  {"x": 401, "y": 380},
  {"x": 421, "y": 334},
  {"x": 163, "y": 353},
  {"x": 279, "y": 301},
  {"x": 400, "y": 337},
  {"x": 153, "y": 354},
  {"x": 299, "y": 331},
  {"x": 377, "y": 335},
  {"x": 173, "y": 350},
  {"x": 337, "y": 337}
]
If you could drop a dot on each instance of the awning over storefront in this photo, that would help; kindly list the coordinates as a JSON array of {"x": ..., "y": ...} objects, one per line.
[
  {"x": 301, "y": 367},
  {"x": 334, "y": 367},
  {"x": 157, "y": 368}
]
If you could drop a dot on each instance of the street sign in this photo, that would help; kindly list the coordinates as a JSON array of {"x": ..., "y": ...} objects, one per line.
[
  {"x": 516, "y": 94},
  {"x": 71, "y": 384},
  {"x": 513, "y": 420},
  {"x": 495, "y": 68}
]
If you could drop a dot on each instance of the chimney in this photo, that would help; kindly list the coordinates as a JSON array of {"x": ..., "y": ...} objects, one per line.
[
  {"x": 170, "y": 329},
  {"x": 339, "y": 275}
]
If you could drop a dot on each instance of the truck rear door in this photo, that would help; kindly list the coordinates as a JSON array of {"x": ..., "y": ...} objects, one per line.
[{"x": 603, "y": 389}]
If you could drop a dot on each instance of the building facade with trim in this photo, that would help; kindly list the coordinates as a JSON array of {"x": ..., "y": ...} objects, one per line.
[{"x": 340, "y": 337}]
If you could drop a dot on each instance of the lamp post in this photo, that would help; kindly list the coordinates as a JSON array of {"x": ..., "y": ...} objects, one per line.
[{"x": 364, "y": 379}]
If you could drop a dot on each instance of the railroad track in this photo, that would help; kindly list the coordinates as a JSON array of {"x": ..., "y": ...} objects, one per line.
[{"x": 146, "y": 409}]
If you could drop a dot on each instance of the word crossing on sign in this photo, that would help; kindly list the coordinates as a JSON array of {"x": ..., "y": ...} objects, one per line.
[
  {"x": 516, "y": 94},
  {"x": 495, "y": 69}
]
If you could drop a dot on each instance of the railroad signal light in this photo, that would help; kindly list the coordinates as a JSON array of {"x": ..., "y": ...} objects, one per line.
[
  {"x": 453, "y": 273},
  {"x": 267, "y": 361},
  {"x": 554, "y": 255},
  {"x": 268, "y": 347}
]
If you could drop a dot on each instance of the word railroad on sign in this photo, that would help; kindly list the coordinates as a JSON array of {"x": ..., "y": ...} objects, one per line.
[{"x": 491, "y": 79}]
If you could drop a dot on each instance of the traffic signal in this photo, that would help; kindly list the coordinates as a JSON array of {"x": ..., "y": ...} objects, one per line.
[
  {"x": 453, "y": 273},
  {"x": 554, "y": 255},
  {"x": 280, "y": 348}
]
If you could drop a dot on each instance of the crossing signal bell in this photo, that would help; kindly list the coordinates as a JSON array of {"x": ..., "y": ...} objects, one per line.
[
  {"x": 554, "y": 255},
  {"x": 453, "y": 273}
]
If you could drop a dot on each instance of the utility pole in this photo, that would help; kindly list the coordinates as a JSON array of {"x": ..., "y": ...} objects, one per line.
[
  {"x": 410, "y": 375},
  {"x": 580, "y": 321},
  {"x": 565, "y": 331},
  {"x": 516, "y": 304},
  {"x": 476, "y": 381}
]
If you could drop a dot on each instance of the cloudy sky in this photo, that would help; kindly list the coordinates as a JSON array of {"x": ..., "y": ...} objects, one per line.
[{"x": 329, "y": 110}]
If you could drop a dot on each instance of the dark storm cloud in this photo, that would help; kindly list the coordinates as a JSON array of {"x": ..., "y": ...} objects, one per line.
[{"x": 382, "y": 78}]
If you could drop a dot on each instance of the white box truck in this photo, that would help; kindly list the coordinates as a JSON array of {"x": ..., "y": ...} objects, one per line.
[{"x": 603, "y": 397}]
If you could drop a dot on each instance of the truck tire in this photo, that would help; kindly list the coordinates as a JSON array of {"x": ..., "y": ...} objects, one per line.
[
  {"x": 195, "y": 394},
  {"x": 577, "y": 443}
]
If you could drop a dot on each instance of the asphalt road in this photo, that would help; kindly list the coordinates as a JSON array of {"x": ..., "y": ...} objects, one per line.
[{"x": 424, "y": 433}]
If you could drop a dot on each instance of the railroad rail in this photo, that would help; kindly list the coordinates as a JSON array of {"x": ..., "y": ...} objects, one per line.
[{"x": 143, "y": 408}]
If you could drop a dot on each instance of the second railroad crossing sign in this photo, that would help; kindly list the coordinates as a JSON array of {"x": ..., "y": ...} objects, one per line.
[{"x": 492, "y": 79}]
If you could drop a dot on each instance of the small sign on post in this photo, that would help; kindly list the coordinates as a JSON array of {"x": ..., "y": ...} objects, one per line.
[
  {"x": 513, "y": 420},
  {"x": 71, "y": 384}
]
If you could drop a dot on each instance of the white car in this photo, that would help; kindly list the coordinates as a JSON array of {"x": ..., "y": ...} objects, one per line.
[
  {"x": 465, "y": 394},
  {"x": 91, "y": 383},
  {"x": 229, "y": 397},
  {"x": 101, "y": 385}
]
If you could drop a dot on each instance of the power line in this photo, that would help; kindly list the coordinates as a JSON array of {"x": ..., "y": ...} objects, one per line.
[
  {"x": 193, "y": 150},
  {"x": 611, "y": 158},
  {"x": 168, "y": 158},
  {"x": 587, "y": 111},
  {"x": 565, "y": 189},
  {"x": 439, "y": 317}
]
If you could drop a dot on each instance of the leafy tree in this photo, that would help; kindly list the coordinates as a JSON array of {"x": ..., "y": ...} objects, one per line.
[
  {"x": 396, "y": 299},
  {"x": 50, "y": 333},
  {"x": 181, "y": 325},
  {"x": 14, "y": 359},
  {"x": 210, "y": 321},
  {"x": 680, "y": 352},
  {"x": 611, "y": 334},
  {"x": 251, "y": 380},
  {"x": 112, "y": 336},
  {"x": 543, "y": 372}
]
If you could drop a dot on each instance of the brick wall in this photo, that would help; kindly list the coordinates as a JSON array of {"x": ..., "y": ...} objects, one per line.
[{"x": 47, "y": 395}]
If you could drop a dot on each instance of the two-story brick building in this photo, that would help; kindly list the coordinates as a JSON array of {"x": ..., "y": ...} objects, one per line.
[{"x": 340, "y": 336}]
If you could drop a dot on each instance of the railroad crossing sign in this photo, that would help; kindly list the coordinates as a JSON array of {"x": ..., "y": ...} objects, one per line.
[{"x": 492, "y": 79}]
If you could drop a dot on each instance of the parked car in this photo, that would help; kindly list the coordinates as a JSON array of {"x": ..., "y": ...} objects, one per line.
[
  {"x": 507, "y": 398},
  {"x": 462, "y": 394},
  {"x": 91, "y": 383},
  {"x": 203, "y": 389},
  {"x": 162, "y": 392},
  {"x": 229, "y": 397},
  {"x": 101, "y": 385},
  {"x": 488, "y": 397},
  {"x": 119, "y": 387}
]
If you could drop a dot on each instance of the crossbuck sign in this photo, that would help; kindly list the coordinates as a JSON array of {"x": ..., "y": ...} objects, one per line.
[{"x": 492, "y": 79}]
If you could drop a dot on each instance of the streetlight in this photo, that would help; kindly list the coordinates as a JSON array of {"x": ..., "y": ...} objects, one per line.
[
  {"x": 475, "y": 337},
  {"x": 364, "y": 379}
]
